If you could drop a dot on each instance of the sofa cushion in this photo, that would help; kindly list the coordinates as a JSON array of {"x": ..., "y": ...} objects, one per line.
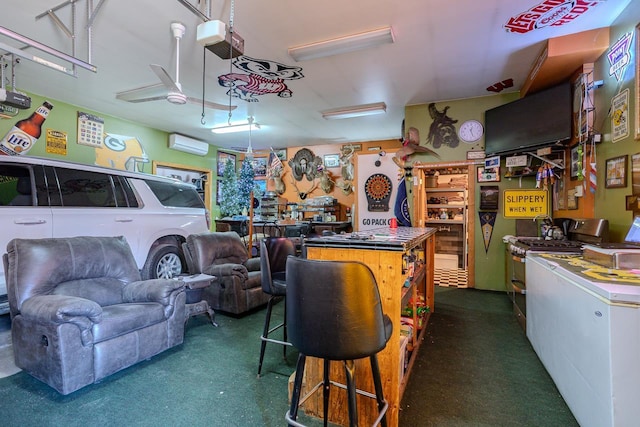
[
  {"x": 103, "y": 290},
  {"x": 123, "y": 318},
  {"x": 254, "y": 281}
]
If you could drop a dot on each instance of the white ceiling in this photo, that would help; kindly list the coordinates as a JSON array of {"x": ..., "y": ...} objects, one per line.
[{"x": 443, "y": 50}]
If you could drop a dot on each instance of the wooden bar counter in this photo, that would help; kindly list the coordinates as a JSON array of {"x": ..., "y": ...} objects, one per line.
[{"x": 388, "y": 252}]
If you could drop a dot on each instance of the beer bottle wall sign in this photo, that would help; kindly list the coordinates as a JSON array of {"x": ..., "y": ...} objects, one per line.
[{"x": 24, "y": 134}]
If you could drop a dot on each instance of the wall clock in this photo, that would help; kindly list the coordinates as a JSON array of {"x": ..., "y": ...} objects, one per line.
[{"x": 470, "y": 131}]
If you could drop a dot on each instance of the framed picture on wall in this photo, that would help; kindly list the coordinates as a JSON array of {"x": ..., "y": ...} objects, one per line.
[
  {"x": 331, "y": 160},
  {"x": 489, "y": 196},
  {"x": 616, "y": 172},
  {"x": 489, "y": 174},
  {"x": 259, "y": 167},
  {"x": 222, "y": 161},
  {"x": 635, "y": 173},
  {"x": 282, "y": 154}
]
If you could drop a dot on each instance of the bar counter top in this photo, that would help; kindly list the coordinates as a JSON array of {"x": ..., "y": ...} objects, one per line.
[{"x": 392, "y": 239}]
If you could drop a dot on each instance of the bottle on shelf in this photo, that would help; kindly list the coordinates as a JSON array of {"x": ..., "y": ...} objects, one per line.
[{"x": 24, "y": 134}]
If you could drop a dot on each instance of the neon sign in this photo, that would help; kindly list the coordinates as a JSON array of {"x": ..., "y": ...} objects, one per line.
[{"x": 619, "y": 56}]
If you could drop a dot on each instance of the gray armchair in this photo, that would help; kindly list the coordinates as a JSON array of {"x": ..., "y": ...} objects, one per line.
[
  {"x": 238, "y": 287},
  {"x": 80, "y": 311}
]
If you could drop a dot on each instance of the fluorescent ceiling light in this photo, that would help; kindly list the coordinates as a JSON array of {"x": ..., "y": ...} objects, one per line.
[
  {"x": 242, "y": 127},
  {"x": 343, "y": 44},
  {"x": 356, "y": 111}
]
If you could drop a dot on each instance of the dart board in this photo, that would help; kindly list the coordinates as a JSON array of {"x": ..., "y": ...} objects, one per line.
[{"x": 378, "y": 191}]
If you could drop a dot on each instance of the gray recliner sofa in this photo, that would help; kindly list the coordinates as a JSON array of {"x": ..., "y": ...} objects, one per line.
[
  {"x": 81, "y": 312},
  {"x": 238, "y": 284}
]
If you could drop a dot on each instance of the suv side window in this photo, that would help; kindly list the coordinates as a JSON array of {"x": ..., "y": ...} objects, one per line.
[
  {"x": 125, "y": 197},
  {"x": 15, "y": 186},
  {"x": 93, "y": 189},
  {"x": 175, "y": 194}
]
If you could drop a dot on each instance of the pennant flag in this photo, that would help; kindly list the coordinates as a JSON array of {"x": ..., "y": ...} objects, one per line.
[
  {"x": 487, "y": 221},
  {"x": 401, "y": 208},
  {"x": 275, "y": 165},
  {"x": 593, "y": 184}
]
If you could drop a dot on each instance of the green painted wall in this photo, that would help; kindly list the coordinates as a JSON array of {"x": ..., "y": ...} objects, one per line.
[
  {"x": 489, "y": 264},
  {"x": 63, "y": 118},
  {"x": 610, "y": 203}
]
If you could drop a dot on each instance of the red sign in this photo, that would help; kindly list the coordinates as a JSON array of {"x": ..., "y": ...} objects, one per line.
[{"x": 549, "y": 13}]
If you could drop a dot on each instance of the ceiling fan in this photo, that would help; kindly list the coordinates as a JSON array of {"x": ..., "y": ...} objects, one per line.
[{"x": 168, "y": 89}]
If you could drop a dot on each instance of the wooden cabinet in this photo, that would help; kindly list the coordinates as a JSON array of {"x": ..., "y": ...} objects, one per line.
[{"x": 397, "y": 291}]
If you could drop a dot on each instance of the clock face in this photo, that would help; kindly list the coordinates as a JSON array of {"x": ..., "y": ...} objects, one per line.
[{"x": 470, "y": 131}]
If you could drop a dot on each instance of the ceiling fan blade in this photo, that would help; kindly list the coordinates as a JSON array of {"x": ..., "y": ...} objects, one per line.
[
  {"x": 165, "y": 78},
  {"x": 209, "y": 104},
  {"x": 144, "y": 93}
]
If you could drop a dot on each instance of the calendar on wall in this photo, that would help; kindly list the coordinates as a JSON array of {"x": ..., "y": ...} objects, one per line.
[{"x": 90, "y": 129}]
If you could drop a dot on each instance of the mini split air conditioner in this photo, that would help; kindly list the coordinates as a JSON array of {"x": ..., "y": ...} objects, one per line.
[{"x": 188, "y": 145}]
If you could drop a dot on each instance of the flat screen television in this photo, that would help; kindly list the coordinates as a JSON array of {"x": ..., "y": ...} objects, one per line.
[{"x": 541, "y": 119}]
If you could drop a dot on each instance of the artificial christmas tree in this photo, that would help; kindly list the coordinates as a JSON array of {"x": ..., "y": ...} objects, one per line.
[{"x": 229, "y": 195}]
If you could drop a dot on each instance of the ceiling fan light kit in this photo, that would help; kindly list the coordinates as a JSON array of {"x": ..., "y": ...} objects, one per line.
[
  {"x": 342, "y": 45},
  {"x": 355, "y": 111},
  {"x": 240, "y": 127}
]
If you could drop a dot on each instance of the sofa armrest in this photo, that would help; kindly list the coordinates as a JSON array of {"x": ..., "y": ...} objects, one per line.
[
  {"x": 229, "y": 269},
  {"x": 253, "y": 264},
  {"x": 64, "y": 309},
  {"x": 153, "y": 290}
]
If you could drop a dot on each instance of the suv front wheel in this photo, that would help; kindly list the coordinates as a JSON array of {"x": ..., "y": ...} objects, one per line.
[{"x": 163, "y": 262}]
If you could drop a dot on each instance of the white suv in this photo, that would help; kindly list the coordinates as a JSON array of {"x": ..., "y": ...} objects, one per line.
[{"x": 48, "y": 198}]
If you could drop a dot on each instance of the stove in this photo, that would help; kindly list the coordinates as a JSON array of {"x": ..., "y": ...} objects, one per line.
[
  {"x": 578, "y": 232},
  {"x": 521, "y": 245}
]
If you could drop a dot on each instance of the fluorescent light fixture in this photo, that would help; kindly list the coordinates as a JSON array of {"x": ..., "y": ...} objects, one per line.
[
  {"x": 342, "y": 45},
  {"x": 241, "y": 127},
  {"x": 356, "y": 111}
]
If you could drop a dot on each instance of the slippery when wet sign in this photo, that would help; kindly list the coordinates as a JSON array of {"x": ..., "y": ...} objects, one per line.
[{"x": 525, "y": 203}]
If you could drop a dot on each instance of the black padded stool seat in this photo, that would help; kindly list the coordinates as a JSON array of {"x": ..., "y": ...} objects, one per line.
[
  {"x": 273, "y": 259},
  {"x": 334, "y": 312}
]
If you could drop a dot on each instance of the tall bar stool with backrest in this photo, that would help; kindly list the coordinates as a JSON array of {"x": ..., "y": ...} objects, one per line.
[
  {"x": 273, "y": 258},
  {"x": 334, "y": 312}
]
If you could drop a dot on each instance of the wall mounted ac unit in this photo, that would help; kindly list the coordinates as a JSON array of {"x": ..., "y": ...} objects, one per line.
[{"x": 188, "y": 145}]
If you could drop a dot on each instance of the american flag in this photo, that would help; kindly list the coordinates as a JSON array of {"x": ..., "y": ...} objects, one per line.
[{"x": 275, "y": 165}]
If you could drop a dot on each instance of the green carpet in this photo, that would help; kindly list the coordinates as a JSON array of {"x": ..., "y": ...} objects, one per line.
[
  {"x": 476, "y": 368},
  {"x": 208, "y": 381}
]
